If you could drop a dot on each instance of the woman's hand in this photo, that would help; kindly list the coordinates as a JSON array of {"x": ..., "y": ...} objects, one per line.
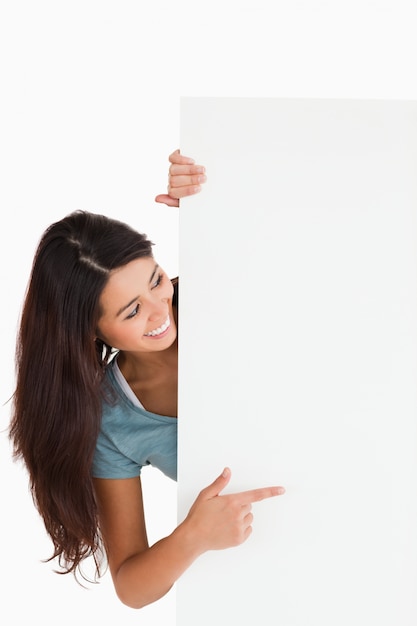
[
  {"x": 184, "y": 179},
  {"x": 219, "y": 521},
  {"x": 214, "y": 522}
]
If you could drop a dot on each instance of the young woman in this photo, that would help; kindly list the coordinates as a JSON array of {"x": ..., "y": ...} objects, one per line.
[{"x": 96, "y": 400}]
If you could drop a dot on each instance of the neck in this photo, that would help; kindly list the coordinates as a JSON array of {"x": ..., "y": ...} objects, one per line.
[{"x": 143, "y": 365}]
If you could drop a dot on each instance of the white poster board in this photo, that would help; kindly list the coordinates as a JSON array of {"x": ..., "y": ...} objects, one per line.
[{"x": 298, "y": 357}]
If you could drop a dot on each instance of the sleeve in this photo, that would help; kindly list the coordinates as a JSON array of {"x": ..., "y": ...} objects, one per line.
[{"x": 110, "y": 462}]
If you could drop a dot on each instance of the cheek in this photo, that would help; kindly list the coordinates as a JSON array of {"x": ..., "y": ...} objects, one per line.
[
  {"x": 111, "y": 335},
  {"x": 124, "y": 338}
]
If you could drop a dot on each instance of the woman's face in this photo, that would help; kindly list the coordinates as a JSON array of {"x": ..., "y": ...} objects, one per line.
[{"x": 136, "y": 306}]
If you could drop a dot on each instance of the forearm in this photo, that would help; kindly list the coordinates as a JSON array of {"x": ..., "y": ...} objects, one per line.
[
  {"x": 214, "y": 522},
  {"x": 147, "y": 576}
]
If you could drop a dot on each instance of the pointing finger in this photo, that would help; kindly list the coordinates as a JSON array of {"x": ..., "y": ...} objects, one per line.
[{"x": 256, "y": 495}]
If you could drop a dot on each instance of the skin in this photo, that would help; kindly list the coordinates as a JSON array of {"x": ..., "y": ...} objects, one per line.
[
  {"x": 149, "y": 363},
  {"x": 141, "y": 573},
  {"x": 184, "y": 179}
]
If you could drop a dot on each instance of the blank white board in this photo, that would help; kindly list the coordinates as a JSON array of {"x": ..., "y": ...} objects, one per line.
[{"x": 298, "y": 357}]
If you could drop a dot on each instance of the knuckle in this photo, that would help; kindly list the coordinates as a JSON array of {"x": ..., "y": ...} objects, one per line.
[
  {"x": 177, "y": 181},
  {"x": 173, "y": 169},
  {"x": 235, "y": 506},
  {"x": 237, "y": 538}
]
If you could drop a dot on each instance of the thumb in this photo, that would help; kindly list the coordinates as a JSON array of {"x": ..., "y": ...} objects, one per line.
[
  {"x": 217, "y": 486},
  {"x": 163, "y": 198}
]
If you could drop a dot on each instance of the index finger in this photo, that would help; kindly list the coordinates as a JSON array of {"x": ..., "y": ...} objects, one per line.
[
  {"x": 177, "y": 157},
  {"x": 256, "y": 495}
]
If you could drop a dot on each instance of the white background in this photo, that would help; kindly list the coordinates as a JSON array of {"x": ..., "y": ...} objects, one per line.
[
  {"x": 298, "y": 361},
  {"x": 89, "y": 111}
]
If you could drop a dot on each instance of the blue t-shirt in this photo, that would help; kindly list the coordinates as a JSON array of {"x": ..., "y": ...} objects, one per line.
[{"x": 131, "y": 437}]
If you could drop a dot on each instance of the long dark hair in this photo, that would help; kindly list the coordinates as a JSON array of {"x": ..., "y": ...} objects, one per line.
[{"x": 59, "y": 372}]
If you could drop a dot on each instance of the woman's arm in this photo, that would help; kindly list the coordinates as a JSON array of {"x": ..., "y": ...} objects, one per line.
[{"x": 141, "y": 573}]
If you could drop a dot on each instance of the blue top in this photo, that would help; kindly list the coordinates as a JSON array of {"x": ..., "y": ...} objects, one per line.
[{"x": 131, "y": 437}]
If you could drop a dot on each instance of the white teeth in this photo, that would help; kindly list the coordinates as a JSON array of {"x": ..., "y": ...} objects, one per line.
[{"x": 159, "y": 330}]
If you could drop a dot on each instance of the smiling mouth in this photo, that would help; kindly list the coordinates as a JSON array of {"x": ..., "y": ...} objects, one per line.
[{"x": 160, "y": 329}]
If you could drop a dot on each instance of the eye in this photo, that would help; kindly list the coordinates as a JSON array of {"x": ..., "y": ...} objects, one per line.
[
  {"x": 158, "y": 281},
  {"x": 134, "y": 312}
]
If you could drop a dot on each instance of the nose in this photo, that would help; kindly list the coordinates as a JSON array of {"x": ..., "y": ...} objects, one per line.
[{"x": 159, "y": 310}]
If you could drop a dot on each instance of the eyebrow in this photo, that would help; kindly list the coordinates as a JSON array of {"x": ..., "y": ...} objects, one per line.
[{"x": 126, "y": 306}]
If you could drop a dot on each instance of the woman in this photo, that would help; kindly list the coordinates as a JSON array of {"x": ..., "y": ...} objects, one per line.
[{"x": 96, "y": 399}]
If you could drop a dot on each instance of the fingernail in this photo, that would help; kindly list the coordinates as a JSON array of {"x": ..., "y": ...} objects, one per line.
[
  {"x": 279, "y": 491},
  {"x": 200, "y": 169}
]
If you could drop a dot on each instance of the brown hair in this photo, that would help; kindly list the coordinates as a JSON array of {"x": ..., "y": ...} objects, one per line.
[{"x": 59, "y": 368}]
